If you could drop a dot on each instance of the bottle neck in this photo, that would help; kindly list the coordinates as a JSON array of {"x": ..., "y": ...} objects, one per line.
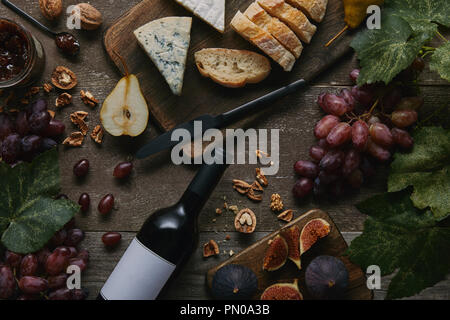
[{"x": 201, "y": 187}]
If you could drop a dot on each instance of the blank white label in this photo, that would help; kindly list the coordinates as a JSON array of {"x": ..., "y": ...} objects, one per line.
[{"x": 139, "y": 275}]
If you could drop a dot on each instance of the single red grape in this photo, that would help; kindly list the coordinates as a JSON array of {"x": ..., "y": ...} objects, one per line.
[
  {"x": 111, "y": 239},
  {"x": 360, "y": 135},
  {"x": 325, "y": 125}
]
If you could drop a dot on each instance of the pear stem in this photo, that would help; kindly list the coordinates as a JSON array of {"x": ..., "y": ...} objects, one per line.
[
  {"x": 337, "y": 36},
  {"x": 122, "y": 60}
]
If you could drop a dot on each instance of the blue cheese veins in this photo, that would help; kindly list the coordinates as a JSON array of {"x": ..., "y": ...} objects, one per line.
[{"x": 166, "y": 42}]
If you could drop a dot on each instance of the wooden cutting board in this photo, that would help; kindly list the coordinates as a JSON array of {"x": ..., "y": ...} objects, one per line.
[
  {"x": 201, "y": 95},
  {"x": 333, "y": 245}
]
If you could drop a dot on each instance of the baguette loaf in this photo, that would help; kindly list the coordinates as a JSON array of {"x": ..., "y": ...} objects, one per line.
[
  {"x": 263, "y": 40},
  {"x": 275, "y": 27},
  {"x": 314, "y": 9},
  {"x": 232, "y": 68},
  {"x": 294, "y": 18}
]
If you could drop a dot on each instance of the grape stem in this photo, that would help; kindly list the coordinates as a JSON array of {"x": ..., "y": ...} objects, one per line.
[
  {"x": 424, "y": 121},
  {"x": 426, "y": 48},
  {"x": 373, "y": 107},
  {"x": 441, "y": 36}
]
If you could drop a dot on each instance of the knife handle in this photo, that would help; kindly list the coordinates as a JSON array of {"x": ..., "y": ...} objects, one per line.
[{"x": 239, "y": 112}]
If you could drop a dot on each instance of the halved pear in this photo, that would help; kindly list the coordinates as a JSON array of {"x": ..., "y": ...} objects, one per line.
[{"x": 125, "y": 111}]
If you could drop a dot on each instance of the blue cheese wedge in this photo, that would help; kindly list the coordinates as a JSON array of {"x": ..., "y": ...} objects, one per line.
[
  {"x": 166, "y": 42},
  {"x": 211, "y": 11}
]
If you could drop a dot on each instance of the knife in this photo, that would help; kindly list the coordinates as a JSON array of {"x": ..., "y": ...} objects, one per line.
[{"x": 164, "y": 141}]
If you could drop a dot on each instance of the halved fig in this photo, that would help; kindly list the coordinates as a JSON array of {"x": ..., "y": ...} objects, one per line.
[
  {"x": 282, "y": 291},
  {"x": 292, "y": 237},
  {"x": 276, "y": 254},
  {"x": 313, "y": 231}
]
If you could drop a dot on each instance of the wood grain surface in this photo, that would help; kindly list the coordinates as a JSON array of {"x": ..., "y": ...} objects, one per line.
[
  {"x": 157, "y": 183},
  {"x": 332, "y": 245},
  {"x": 200, "y": 95}
]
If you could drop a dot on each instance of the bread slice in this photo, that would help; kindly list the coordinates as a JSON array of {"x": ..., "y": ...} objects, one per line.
[
  {"x": 294, "y": 18},
  {"x": 232, "y": 68},
  {"x": 275, "y": 27},
  {"x": 263, "y": 40},
  {"x": 210, "y": 11},
  {"x": 314, "y": 9}
]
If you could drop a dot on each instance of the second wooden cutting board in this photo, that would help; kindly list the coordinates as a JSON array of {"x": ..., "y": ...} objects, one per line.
[
  {"x": 200, "y": 95},
  {"x": 332, "y": 245}
]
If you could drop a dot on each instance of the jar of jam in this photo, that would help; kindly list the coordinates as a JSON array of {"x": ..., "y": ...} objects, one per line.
[{"x": 22, "y": 56}]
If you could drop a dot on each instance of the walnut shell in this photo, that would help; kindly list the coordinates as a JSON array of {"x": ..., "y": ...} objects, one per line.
[
  {"x": 245, "y": 221},
  {"x": 90, "y": 18},
  {"x": 51, "y": 9},
  {"x": 64, "y": 78}
]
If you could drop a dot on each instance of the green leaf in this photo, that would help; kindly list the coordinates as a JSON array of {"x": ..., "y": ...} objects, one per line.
[
  {"x": 440, "y": 61},
  {"x": 427, "y": 169},
  {"x": 383, "y": 53},
  {"x": 398, "y": 236},
  {"x": 422, "y": 15},
  {"x": 29, "y": 215}
]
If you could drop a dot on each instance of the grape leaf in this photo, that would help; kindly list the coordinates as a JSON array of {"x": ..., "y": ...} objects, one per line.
[
  {"x": 398, "y": 236},
  {"x": 422, "y": 15},
  {"x": 383, "y": 53},
  {"x": 29, "y": 214},
  {"x": 440, "y": 61},
  {"x": 427, "y": 169}
]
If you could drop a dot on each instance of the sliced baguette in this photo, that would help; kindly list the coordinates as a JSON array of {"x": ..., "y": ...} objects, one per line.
[
  {"x": 275, "y": 27},
  {"x": 314, "y": 9},
  {"x": 263, "y": 40},
  {"x": 294, "y": 18},
  {"x": 232, "y": 68}
]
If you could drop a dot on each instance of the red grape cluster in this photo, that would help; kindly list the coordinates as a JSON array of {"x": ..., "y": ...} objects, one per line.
[
  {"x": 363, "y": 125},
  {"x": 28, "y": 133},
  {"x": 42, "y": 275}
]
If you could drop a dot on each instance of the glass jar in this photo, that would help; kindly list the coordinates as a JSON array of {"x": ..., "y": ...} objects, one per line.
[{"x": 22, "y": 56}]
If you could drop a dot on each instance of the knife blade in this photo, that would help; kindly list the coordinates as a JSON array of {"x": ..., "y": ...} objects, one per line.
[{"x": 164, "y": 141}]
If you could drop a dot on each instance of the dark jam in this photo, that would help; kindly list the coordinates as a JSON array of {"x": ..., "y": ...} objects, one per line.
[
  {"x": 67, "y": 43},
  {"x": 14, "y": 50}
]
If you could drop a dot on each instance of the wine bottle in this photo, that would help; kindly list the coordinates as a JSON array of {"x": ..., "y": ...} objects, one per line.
[{"x": 165, "y": 241}]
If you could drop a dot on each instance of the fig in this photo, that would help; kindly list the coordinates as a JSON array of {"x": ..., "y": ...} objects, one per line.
[
  {"x": 282, "y": 291},
  {"x": 311, "y": 232},
  {"x": 276, "y": 254},
  {"x": 326, "y": 278},
  {"x": 292, "y": 237},
  {"x": 234, "y": 282}
]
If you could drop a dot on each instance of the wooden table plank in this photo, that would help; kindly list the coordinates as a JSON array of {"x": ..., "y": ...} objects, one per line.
[{"x": 191, "y": 283}]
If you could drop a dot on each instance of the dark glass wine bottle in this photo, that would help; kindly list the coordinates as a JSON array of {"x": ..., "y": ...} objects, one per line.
[{"x": 165, "y": 241}]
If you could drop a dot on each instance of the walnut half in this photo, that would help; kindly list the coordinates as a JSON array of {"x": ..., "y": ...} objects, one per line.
[
  {"x": 97, "y": 134},
  {"x": 64, "y": 99},
  {"x": 245, "y": 221},
  {"x": 275, "y": 203},
  {"x": 64, "y": 78},
  {"x": 78, "y": 118},
  {"x": 286, "y": 215},
  {"x": 74, "y": 140},
  {"x": 88, "y": 98},
  {"x": 211, "y": 248}
]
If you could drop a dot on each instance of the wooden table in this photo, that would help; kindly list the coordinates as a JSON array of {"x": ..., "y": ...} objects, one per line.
[{"x": 156, "y": 183}]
